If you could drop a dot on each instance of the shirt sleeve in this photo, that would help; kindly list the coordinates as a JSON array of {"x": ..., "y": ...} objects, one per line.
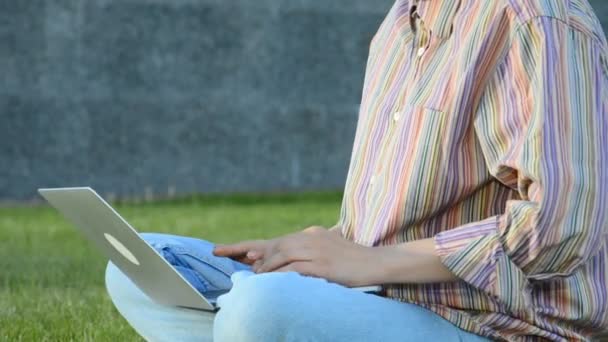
[{"x": 542, "y": 124}]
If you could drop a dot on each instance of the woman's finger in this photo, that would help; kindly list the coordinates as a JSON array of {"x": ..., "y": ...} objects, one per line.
[
  {"x": 256, "y": 264},
  {"x": 280, "y": 259},
  {"x": 237, "y": 249},
  {"x": 245, "y": 260}
]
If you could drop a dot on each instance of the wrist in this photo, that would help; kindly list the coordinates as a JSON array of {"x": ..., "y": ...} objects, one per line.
[
  {"x": 410, "y": 262},
  {"x": 381, "y": 265},
  {"x": 374, "y": 268}
]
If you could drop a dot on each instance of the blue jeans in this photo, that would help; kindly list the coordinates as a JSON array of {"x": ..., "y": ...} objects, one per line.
[{"x": 269, "y": 307}]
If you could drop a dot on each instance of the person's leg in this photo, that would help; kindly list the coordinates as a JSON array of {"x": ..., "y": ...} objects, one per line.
[
  {"x": 290, "y": 307},
  {"x": 269, "y": 307},
  {"x": 193, "y": 258},
  {"x": 153, "y": 321}
]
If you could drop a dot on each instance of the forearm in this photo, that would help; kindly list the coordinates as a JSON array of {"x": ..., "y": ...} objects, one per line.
[{"x": 411, "y": 262}]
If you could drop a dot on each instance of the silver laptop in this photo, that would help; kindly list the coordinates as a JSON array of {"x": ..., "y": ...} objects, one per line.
[{"x": 138, "y": 260}]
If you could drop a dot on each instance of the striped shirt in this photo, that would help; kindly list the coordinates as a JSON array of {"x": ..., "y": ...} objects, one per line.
[{"x": 484, "y": 125}]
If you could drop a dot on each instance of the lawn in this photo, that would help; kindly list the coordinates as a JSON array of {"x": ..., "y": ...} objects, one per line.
[{"x": 51, "y": 279}]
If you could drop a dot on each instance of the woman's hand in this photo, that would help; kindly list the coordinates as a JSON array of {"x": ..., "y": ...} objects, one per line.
[
  {"x": 247, "y": 252},
  {"x": 315, "y": 251}
]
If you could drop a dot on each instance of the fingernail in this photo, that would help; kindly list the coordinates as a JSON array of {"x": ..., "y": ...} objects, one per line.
[{"x": 252, "y": 254}]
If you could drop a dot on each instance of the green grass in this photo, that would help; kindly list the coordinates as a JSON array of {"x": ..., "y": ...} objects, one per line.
[{"x": 51, "y": 278}]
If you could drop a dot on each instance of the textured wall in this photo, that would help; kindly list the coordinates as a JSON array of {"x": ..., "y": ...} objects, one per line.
[{"x": 135, "y": 96}]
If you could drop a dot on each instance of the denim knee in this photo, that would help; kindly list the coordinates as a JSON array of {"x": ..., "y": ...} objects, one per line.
[
  {"x": 262, "y": 307},
  {"x": 194, "y": 260}
]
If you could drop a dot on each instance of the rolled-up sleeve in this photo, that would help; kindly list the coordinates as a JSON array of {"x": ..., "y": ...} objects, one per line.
[{"x": 542, "y": 124}]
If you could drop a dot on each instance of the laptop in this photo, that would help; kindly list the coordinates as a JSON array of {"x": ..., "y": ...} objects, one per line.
[{"x": 139, "y": 261}]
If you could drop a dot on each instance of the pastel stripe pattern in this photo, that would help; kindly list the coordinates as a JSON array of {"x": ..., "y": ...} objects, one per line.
[{"x": 484, "y": 125}]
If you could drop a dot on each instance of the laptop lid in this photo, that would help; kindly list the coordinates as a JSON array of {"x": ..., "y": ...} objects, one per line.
[{"x": 100, "y": 223}]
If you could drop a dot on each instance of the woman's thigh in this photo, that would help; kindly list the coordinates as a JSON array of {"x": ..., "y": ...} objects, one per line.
[
  {"x": 153, "y": 321},
  {"x": 268, "y": 307},
  {"x": 291, "y": 307}
]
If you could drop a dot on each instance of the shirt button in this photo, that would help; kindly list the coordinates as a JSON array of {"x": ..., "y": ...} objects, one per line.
[
  {"x": 372, "y": 180},
  {"x": 396, "y": 116},
  {"x": 421, "y": 51}
]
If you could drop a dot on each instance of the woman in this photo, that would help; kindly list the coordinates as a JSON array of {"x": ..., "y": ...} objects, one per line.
[{"x": 477, "y": 196}]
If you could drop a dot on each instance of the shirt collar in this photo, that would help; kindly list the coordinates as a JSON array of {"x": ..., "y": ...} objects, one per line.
[{"x": 438, "y": 15}]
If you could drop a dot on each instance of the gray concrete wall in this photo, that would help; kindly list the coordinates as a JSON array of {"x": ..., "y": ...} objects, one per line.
[{"x": 135, "y": 96}]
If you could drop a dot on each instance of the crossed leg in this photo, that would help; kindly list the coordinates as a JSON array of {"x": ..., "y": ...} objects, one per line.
[{"x": 271, "y": 306}]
